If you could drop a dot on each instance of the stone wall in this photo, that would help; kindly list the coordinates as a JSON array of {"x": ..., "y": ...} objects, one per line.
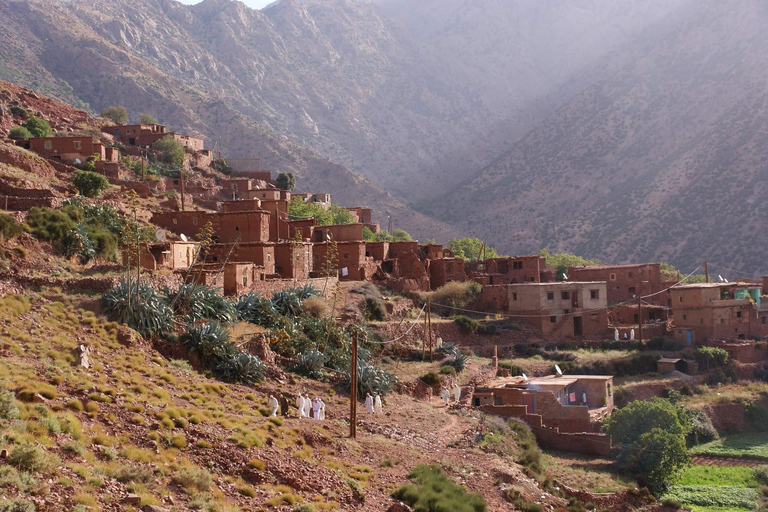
[
  {"x": 13, "y": 203},
  {"x": 591, "y": 444},
  {"x": 270, "y": 286},
  {"x": 726, "y": 417},
  {"x": 9, "y": 190}
]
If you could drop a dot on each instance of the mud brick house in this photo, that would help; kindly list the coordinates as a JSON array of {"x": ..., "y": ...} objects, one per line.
[
  {"x": 260, "y": 254},
  {"x": 162, "y": 255},
  {"x": 70, "y": 149},
  {"x": 324, "y": 200},
  {"x": 558, "y": 309},
  {"x": 279, "y": 229},
  {"x": 293, "y": 260},
  {"x": 233, "y": 278},
  {"x": 338, "y": 233},
  {"x": 365, "y": 217},
  {"x": 145, "y": 135},
  {"x": 517, "y": 269},
  {"x": 719, "y": 311},
  {"x": 554, "y": 407},
  {"x": 745, "y": 352},
  {"x": 670, "y": 364},
  {"x": 625, "y": 282},
  {"x": 350, "y": 261},
  {"x": 236, "y": 223},
  {"x": 443, "y": 270}
]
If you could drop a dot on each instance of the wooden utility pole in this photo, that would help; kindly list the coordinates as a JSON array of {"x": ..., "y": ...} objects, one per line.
[
  {"x": 706, "y": 272},
  {"x": 353, "y": 389},
  {"x": 429, "y": 327},
  {"x": 181, "y": 184},
  {"x": 424, "y": 339},
  {"x": 640, "y": 319}
]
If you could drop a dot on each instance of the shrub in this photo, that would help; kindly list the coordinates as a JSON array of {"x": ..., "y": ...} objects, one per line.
[
  {"x": 18, "y": 111},
  {"x": 51, "y": 225},
  {"x": 447, "y": 348},
  {"x": 466, "y": 324},
  {"x": 702, "y": 430},
  {"x": 711, "y": 357},
  {"x": 433, "y": 379},
  {"x": 373, "y": 310},
  {"x": 194, "y": 478},
  {"x": 756, "y": 416},
  {"x": 305, "y": 508},
  {"x": 761, "y": 474},
  {"x": 31, "y": 458},
  {"x": 147, "y": 119},
  {"x": 243, "y": 368},
  {"x": 90, "y": 184},
  {"x": 9, "y": 228},
  {"x": 134, "y": 474},
  {"x": 138, "y": 306},
  {"x": 486, "y": 329},
  {"x": 309, "y": 364},
  {"x": 17, "y": 505},
  {"x": 672, "y": 503},
  {"x": 435, "y": 492},
  {"x": 19, "y": 132},
  {"x": 8, "y": 408},
  {"x": 454, "y": 294},
  {"x": 288, "y": 302},
  {"x": 447, "y": 370},
  {"x": 171, "y": 149},
  {"x": 529, "y": 454},
  {"x": 286, "y": 181},
  {"x": 315, "y": 306},
  {"x": 722, "y": 376},
  {"x": 38, "y": 127},
  {"x": 118, "y": 115}
]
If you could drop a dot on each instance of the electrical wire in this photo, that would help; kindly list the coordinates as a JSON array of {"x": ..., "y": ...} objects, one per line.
[{"x": 415, "y": 322}]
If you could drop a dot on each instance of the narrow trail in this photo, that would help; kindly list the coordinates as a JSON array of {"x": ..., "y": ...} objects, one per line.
[{"x": 713, "y": 460}]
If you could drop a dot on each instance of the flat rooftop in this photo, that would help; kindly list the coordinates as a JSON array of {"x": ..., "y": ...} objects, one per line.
[
  {"x": 557, "y": 283},
  {"x": 609, "y": 267}
]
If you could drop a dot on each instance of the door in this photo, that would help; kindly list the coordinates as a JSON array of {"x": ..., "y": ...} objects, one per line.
[
  {"x": 528, "y": 402},
  {"x": 578, "y": 328},
  {"x": 689, "y": 334}
]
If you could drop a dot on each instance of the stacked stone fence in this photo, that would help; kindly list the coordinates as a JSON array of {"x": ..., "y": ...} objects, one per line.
[
  {"x": 9, "y": 190},
  {"x": 587, "y": 443},
  {"x": 15, "y": 203}
]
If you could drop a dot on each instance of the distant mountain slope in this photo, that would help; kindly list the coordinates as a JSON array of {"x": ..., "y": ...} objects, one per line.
[
  {"x": 53, "y": 47},
  {"x": 412, "y": 95},
  {"x": 666, "y": 160}
]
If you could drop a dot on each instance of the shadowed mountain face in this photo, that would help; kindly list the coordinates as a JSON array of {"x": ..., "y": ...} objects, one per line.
[{"x": 665, "y": 160}]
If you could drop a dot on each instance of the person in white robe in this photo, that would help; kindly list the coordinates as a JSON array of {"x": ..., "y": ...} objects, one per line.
[
  {"x": 457, "y": 392},
  {"x": 307, "y": 405},
  {"x": 273, "y": 404},
  {"x": 446, "y": 396},
  {"x": 316, "y": 409},
  {"x": 616, "y": 334},
  {"x": 300, "y": 405},
  {"x": 322, "y": 409},
  {"x": 377, "y": 404},
  {"x": 632, "y": 334},
  {"x": 369, "y": 403}
]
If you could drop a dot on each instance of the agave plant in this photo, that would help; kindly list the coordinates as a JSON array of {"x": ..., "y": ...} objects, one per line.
[
  {"x": 288, "y": 302},
  {"x": 198, "y": 302},
  {"x": 241, "y": 367},
  {"x": 257, "y": 310},
  {"x": 139, "y": 306},
  {"x": 310, "y": 364},
  {"x": 210, "y": 332},
  {"x": 458, "y": 362},
  {"x": 449, "y": 348},
  {"x": 371, "y": 380}
]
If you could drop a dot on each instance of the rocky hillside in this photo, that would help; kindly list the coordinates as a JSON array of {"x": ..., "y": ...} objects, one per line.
[
  {"x": 666, "y": 160},
  {"x": 395, "y": 92}
]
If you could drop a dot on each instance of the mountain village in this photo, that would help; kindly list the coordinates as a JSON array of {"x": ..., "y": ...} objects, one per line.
[{"x": 226, "y": 225}]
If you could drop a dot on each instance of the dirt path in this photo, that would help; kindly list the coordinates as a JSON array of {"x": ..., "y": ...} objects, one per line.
[{"x": 712, "y": 460}]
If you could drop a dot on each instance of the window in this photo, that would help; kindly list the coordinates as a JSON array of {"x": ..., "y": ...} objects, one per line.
[
  {"x": 681, "y": 299},
  {"x": 613, "y": 277},
  {"x": 78, "y": 144},
  {"x": 175, "y": 221},
  {"x": 595, "y": 294},
  {"x": 194, "y": 221},
  {"x": 594, "y": 317},
  {"x": 565, "y": 295},
  {"x": 48, "y": 144},
  {"x": 632, "y": 290},
  {"x": 234, "y": 187},
  {"x": 738, "y": 314},
  {"x": 685, "y": 317},
  {"x": 550, "y": 295},
  {"x": 346, "y": 255},
  {"x": 553, "y": 319},
  {"x": 514, "y": 297},
  {"x": 269, "y": 257},
  {"x": 701, "y": 320},
  {"x": 517, "y": 265},
  {"x": 722, "y": 320},
  {"x": 630, "y": 274},
  {"x": 762, "y": 320},
  {"x": 237, "y": 228},
  {"x": 181, "y": 255}
]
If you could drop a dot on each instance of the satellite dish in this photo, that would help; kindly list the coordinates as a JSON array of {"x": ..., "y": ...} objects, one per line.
[
  {"x": 328, "y": 236},
  {"x": 160, "y": 235},
  {"x": 525, "y": 377},
  {"x": 78, "y": 161},
  {"x": 184, "y": 237},
  {"x": 565, "y": 277},
  {"x": 558, "y": 370},
  {"x": 721, "y": 277},
  {"x": 725, "y": 280}
]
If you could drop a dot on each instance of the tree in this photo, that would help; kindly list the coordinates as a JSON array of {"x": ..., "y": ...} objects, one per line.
[
  {"x": 656, "y": 459},
  {"x": 397, "y": 235},
  {"x": 90, "y": 184},
  {"x": 651, "y": 436},
  {"x": 710, "y": 357},
  {"x": 19, "y": 132},
  {"x": 286, "y": 181},
  {"x": 118, "y": 115},
  {"x": 38, "y": 127},
  {"x": 561, "y": 262},
  {"x": 297, "y": 209},
  {"x": 172, "y": 150},
  {"x": 147, "y": 119},
  {"x": 469, "y": 249}
]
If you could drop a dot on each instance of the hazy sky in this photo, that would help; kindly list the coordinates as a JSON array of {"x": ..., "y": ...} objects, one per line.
[{"x": 256, "y": 4}]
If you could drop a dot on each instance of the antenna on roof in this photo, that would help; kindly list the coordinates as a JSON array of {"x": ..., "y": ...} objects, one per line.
[
  {"x": 525, "y": 377},
  {"x": 721, "y": 277},
  {"x": 558, "y": 370},
  {"x": 725, "y": 280},
  {"x": 565, "y": 277},
  {"x": 184, "y": 237}
]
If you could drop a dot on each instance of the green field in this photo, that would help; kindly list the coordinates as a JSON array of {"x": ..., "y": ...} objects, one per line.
[
  {"x": 745, "y": 445},
  {"x": 712, "y": 488}
]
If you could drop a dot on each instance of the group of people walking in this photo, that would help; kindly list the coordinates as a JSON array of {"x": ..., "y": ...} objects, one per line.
[
  {"x": 446, "y": 394},
  {"x": 306, "y": 406},
  {"x": 373, "y": 404}
]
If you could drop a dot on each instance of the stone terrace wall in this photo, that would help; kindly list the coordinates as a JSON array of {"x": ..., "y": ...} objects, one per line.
[
  {"x": 591, "y": 444},
  {"x": 14, "y": 203},
  {"x": 270, "y": 286},
  {"x": 9, "y": 190},
  {"x": 726, "y": 417}
]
